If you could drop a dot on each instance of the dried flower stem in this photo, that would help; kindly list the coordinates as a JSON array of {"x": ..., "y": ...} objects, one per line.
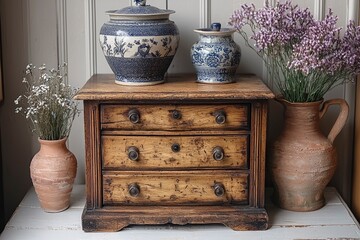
[{"x": 47, "y": 102}]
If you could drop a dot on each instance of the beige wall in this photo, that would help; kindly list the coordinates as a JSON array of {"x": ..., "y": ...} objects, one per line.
[{"x": 52, "y": 31}]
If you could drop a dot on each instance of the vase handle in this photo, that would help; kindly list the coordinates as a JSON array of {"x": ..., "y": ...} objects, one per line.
[{"x": 341, "y": 120}]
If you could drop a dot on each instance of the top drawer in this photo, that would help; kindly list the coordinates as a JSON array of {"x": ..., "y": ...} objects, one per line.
[{"x": 173, "y": 117}]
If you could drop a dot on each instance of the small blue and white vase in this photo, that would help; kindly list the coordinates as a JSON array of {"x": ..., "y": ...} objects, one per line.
[
  {"x": 139, "y": 43},
  {"x": 215, "y": 56}
]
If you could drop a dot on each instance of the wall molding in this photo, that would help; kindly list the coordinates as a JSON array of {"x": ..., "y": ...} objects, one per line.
[
  {"x": 265, "y": 73},
  {"x": 61, "y": 25},
  {"x": 270, "y": 2},
  {"x": 205, "y": 13},
  {"x": 349, "y": 94},
  {"x": 90, "y": 34},
  {"x": 352, "y": 10},
  {"x": 319, "y": 9},
  {"x": 352, "y": 13}
]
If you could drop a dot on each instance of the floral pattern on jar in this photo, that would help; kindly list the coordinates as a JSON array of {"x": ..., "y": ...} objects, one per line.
[
  {"x": 140, "y": 37},
  {"x": 139, "y": 47},
  {"x": 215, "y": 56}
]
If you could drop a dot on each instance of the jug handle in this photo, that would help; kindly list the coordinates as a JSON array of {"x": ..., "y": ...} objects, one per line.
[{"x": 341, "y": 119}]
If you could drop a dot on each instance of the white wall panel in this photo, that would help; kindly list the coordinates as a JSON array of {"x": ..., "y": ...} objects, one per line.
[
  {"x": 306, "y": 4},
  {"x": 42, "y": 44},
  {"x": 187, "y": 19},
  {"x": 339, "y": 8},
  {"x": 221, "y": 12},
  {"x": 344, "y": 142},
  {"x": 157, "y": 3},
  {"x": 76, "y": 58},
  {"x": 101, "y": 6}
]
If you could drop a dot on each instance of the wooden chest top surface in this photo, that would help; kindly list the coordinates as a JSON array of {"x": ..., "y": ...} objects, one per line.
[{"x": 177, "y": 87}]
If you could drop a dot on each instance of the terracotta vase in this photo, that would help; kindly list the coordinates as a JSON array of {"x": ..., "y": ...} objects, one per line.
[
  {"x": 53, "y": 170},
  {"x": 303, "y": 160}
]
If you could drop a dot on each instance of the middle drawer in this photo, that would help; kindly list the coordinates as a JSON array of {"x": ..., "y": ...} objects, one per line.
[{"x": 153, "y": 152}]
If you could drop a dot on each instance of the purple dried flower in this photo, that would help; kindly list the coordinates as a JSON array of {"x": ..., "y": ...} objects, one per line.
[
  {"x": 304, "y": 56},
  {"x": 350, "y": 53},
  {"x": 243, "y": 16},
  {"x": 318, "y": 49},
  {"x": 273, "y": 27}
]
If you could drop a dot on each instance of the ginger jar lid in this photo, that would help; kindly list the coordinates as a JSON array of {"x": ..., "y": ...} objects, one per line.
[
  {"x": 215, "y": 30},
  {"x": 140, "y": 11}
]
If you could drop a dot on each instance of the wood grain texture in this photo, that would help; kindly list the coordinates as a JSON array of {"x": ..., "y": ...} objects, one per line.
[
  {"x": 172, "y": 157},
  {"x": 155, "y": 152},
  {"x": 92, "y": 146},
  {"x": 177, "y": 88},
  {"x": 160, "y": 117},
  {"x": 258, "y": 150},
  {"x": 119, "y": 132},
  {"x": 237, "y": 218},
  {"x": 173, "y": 188}
]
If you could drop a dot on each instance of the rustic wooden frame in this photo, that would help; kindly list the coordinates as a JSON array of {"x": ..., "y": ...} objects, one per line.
[{"x": 250, "y": 216}]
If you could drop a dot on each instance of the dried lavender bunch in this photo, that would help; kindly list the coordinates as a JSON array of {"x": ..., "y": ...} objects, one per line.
[
  {"x": 47, "y": 102},
  {"x": 306, "y": 58}
]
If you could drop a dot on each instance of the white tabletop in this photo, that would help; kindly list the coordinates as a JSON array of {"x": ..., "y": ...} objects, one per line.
[{"x": 334, "y": 221}]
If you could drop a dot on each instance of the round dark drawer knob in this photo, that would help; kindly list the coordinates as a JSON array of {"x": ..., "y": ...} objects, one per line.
[
  {"x": 220, "y": 117},
  {"x": 134, "y": 116},
  {"x": 175, "y": 147},
  {"x": 218, "y": 153},
  {"x": 133, "y": 153},
  {"x": 134, "y": 190},
  {"x": 176, "y": 114},
  {"x": 219, "y": 189}
]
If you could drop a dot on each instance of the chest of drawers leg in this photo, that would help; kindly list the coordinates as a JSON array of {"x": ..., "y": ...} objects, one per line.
[{"x": 188, "y": 161}]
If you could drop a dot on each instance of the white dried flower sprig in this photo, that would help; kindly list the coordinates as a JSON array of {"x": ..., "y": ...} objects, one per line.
[{"x": 48, "y": 102}]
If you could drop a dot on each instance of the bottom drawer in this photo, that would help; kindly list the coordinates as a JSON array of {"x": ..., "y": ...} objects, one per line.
[{"x": 167, "y": 188}]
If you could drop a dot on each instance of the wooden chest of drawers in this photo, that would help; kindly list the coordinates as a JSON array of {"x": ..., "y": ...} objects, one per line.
[{"x": 179, "y": 152}]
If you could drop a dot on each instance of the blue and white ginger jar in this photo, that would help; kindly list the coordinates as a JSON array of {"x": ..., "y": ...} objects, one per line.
[
  {"x": 139, "y": 43},
  {"x": 215, "y": 56}
]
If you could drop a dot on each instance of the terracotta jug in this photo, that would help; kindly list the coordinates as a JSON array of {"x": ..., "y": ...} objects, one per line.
[
  {"x": 53, "y": 170},
  {"x": 303, "y": 160}
]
